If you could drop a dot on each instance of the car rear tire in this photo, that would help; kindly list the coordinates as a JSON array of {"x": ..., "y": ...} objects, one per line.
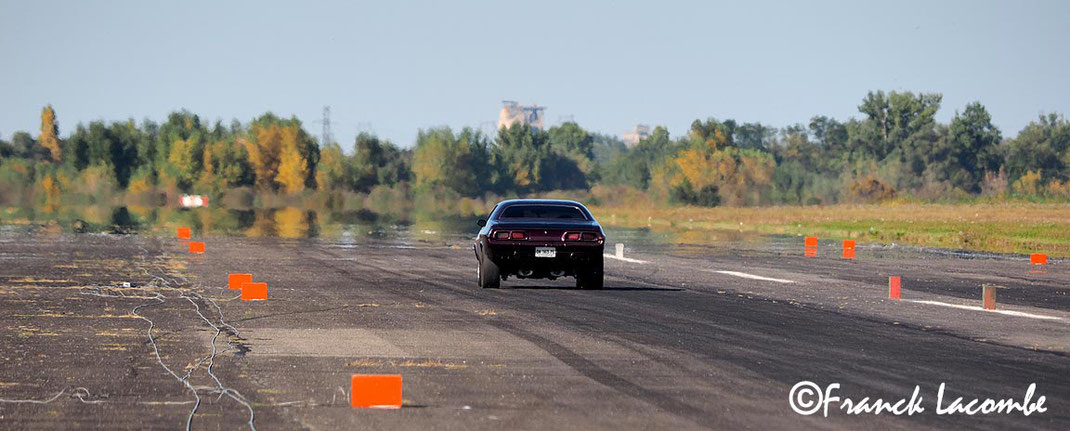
[{"x": 489, "y": 274}]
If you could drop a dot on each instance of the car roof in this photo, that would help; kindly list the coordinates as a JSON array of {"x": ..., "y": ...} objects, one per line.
[
  {"x": 509, "y": 202},
  {"x": 540, "y": 201}
]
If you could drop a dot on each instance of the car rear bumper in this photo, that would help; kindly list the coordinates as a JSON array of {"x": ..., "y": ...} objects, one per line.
[{"x": 519, "y": 260}]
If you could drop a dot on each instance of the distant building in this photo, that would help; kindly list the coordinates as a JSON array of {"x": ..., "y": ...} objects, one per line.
[
  {"x": 513, "y": 113},
  {"x": 640, "y": 132}
]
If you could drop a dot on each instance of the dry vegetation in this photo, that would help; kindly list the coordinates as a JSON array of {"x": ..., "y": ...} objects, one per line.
[{"x": 1004, "y": 228}]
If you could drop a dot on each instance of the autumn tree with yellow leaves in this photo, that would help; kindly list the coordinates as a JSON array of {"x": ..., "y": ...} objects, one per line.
[
  {"x": 50, "y": 133},
  {"x": 264, "y": 146},
  {"x": 281, "y": 154},
  {"x": 330, "y": 171},
  {"x": 293, "y": 166},
  {"x": 712, "y": 171},
  {"x": 718, "y": 162},
  {"x": 186, "y": 156}
]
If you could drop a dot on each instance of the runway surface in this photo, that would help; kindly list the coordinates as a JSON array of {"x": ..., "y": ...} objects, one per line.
[{"x": 681, "y": 338}]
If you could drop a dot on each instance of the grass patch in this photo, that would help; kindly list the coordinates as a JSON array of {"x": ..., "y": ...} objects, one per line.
[
  {"x": 364, "y": 363},
  {"x": 1003, "y": 228},
  {"x": 430, "y": 363}
]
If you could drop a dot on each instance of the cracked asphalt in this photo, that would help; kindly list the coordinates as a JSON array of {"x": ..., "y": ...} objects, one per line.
[{"x": 669, "y": 344}]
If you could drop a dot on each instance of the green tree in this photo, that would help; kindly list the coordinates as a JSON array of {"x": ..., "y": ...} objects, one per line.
[
  {"x": 113, "y": 146},
  {"x": 605, "y": 147},
  {"x": 518, "y": 156},
  {"x": 453, "y": 161},
  {"x": 971, "y": 150},
  {"x": 634, "y": 167},
  {"x": 24, "y": 146},
  {"x": 570, "y": 162},
  {"x": 1043, "y": 147},
  {"x": 376, "y": 162},
  {"x": 187, "y": 158},
  {"x": 6, "y": 149},
  {"x": 125, "y": 139},
  {"x": 899, "y": 122},
  {"x": 331, "y": 170},
  {"x": 180, "y": 125},
  {"x": 831, "y": 136},
  {"x": 570, "y": 139},
  {"x": 754, "y": 135}
]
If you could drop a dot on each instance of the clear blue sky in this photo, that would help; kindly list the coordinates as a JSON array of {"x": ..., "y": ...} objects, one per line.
[{"x": 395, "y": 67}]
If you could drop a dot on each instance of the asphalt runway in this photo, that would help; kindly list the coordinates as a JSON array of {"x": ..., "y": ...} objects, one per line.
[{"x": 712, "y": 338}]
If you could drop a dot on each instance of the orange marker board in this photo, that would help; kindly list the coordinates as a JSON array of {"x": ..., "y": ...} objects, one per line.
[
  {"x": 989, "y": 294},
  {"x": 184, "y": 233},
  {"x": 196, "y": 247},
  {"x": 254, "y": 291},
  {"x": 811, "y": 241},
  {"x": 848, "y": 249},
  {"x": 894, "y": 285},
  {"x": 234, "y": 281},
  {"x": 375, "y": 391},
  {"x": 1038, "y": 259}
]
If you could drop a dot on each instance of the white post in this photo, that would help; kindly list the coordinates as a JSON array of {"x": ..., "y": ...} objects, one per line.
[{"x": 620, "y": 250}]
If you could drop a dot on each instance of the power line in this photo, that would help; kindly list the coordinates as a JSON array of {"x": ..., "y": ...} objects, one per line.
[{"x": 326, "y": 138}]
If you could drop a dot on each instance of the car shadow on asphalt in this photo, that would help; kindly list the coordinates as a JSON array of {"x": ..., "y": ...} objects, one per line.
[{"x": 607, "y": 288}]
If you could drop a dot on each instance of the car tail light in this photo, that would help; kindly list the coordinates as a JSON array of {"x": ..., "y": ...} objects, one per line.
[
  {"x": 579, "y": 236},
  {"x": 518, "y": 235},
  {"x": 501, "y": 234}
]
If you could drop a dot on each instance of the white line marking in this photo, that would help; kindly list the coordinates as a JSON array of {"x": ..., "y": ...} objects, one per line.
[
  {"x": 753, "y": 277},
  {"x": 626, "y": 259},
  {"x": 975, "y": 308}
]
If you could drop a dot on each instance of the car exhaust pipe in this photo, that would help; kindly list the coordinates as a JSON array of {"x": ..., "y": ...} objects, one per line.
[
  {"x": 526, "y": 272},
  {"x": 557, "y": 273}
]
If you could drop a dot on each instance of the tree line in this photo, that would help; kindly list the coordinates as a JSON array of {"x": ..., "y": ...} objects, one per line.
[{"x": 894, "y": 148}]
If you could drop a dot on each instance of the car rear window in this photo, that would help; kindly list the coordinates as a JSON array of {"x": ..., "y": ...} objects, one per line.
[{"x": 555, "y": 212}]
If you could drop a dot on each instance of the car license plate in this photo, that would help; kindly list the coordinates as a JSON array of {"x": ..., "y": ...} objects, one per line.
[{"x": 545, "y": 252}]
